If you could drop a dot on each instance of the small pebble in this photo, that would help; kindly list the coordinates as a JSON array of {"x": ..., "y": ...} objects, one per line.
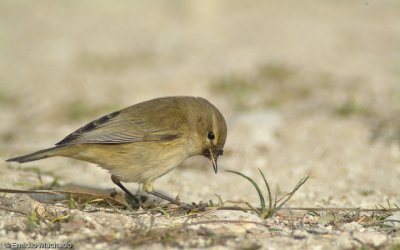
[
  {"x": 393, "y": 221},
  {"x": 374, "y": 239},
  {"x": 352, "y": 226}
]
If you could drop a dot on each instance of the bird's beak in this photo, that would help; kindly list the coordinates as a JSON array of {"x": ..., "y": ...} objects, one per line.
[{"x": 213, "y": 159}]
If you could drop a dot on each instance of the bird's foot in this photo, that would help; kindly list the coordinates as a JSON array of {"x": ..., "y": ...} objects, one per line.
[{"x": 201, "y": 206}]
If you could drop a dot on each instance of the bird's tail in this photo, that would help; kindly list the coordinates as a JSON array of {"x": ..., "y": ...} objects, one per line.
[{"x": 54, "y": 151}]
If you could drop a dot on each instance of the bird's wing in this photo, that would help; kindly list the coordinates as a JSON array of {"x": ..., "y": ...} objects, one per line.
[{"x": 128, "y": 125}]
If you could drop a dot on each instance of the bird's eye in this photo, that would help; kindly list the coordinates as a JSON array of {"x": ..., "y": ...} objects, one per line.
[{"x": 211, "y": 136}]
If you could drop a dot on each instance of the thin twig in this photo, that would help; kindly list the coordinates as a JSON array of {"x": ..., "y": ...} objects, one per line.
[
  {"x": 318, "y": 209},
  {"x": 56, "y": 192}
]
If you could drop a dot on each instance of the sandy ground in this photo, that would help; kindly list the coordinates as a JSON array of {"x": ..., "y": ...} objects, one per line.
[{"x": 306, "y": 88}]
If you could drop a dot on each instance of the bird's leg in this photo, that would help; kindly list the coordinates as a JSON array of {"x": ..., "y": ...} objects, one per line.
[
  {"x": 117, "y": 182},
  {"x": 148, "y": 187}
]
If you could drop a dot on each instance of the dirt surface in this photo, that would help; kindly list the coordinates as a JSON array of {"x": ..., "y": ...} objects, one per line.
[{"x": 307, "y": 87}]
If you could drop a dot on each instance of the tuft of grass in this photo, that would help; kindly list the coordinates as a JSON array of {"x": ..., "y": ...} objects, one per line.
[
  {"x": 276, "y": 72},
  {"x": 86, "y": 201},
  {"x": 351, "y": 107},
  {"x": 395, "y": 246},
  {"x": 272, "y": 84},
  {"x": 239, "y": 89},
  {"x": 43, "y": 221},
  {"x": 33, "y": 220},
  {"x": 71, "y": 202},
  {"x": 273, "y": 206}
]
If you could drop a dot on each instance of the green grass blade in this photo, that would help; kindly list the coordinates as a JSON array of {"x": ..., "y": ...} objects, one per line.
[
  {"x": 289, "y": 195},
  {"x": 268, "y": 189},
  {"x": 255, "y": 210},
  {"x": 262, "y": 201}
]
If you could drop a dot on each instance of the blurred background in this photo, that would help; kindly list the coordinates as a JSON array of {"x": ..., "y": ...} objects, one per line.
[{"x": 305, "y": 86}]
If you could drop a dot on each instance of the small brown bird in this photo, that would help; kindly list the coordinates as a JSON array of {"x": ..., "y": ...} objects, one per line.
[{"x": 145, "y": 141}]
